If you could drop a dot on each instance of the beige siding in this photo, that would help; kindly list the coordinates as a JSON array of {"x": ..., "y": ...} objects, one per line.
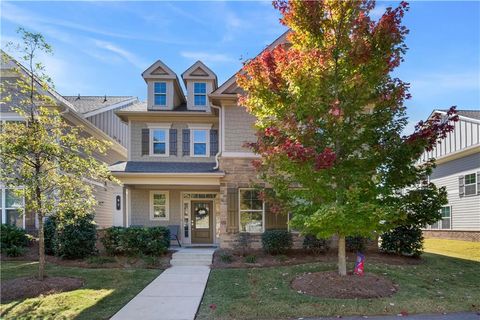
[
  {"x": 238, "y": 129},
  {"x": 111, "y": 124},
  {"x": 105, "y": 207},
  {"x": 136, "y": 145},
  {"x": 140, "y": 207},
  {"x": 465, "y": 210}
]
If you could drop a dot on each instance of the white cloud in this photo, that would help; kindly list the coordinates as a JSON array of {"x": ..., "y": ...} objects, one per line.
[
  {"x": 123, "y": 53},
  {"x": 207, "y": 57}
]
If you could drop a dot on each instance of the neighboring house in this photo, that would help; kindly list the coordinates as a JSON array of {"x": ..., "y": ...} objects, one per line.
[
  {"x": 458, "y": 169},
  {"x": 187, "y": 165},
  {"x": 99, "y": 110},
  {"x": 106, "y": 195}
]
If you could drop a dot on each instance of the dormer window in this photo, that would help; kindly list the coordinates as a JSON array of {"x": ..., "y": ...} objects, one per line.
[
  {"x": 200, "y": 94},
  {"x": 160, "y": 93}
]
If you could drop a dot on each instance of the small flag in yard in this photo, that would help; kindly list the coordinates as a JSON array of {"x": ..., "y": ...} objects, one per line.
[{"x": 359, "y": 264}]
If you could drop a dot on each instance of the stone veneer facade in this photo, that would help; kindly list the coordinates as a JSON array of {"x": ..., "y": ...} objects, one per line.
[{"x": 239, "y": 173}]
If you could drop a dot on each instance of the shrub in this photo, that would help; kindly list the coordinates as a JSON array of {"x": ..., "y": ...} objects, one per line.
[
  {"x": 315, "y": 245},
  {"x": 276, "y": 241},
  {"x": 75, "y": 238},
  {"x": 404, "y": 240},
  {"x": 282, "y": 258},
  {"x": 251, "y": 258},
  {"x": 134, "y": 241},
  {"x": 49, "y": 235},
  {"x": 356, "y": 244},
  {"x": 12, "y": 237},
  {"x": 15, "y": 251},
  {"x": 226, "y": 257}
]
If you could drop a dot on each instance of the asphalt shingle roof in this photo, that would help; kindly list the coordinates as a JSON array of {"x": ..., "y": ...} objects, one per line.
[
  {"x": 474, "y": 114},
  {"x": 142, "y": 107},
  {"x": 86, "y": 104},
  {"x": 163, "y": 167}
]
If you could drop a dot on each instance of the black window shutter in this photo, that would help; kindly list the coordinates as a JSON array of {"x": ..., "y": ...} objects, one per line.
[
  {"x": 478, "y": 182},
  {"x": 213, "y": 142},
  {"x": 186, "y": 142},
  {"x": 173, "y": 142},
  {"x": 145, "y": 142},
  {"x": 461, "y": 186}
]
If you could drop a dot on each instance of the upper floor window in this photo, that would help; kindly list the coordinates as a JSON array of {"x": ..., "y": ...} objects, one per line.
[
  {"x": 160, "y": 93},
  {"x": 200, "y": 143},
  {"x": 159, "y": 142},
  {"x": 199, "y": 94},
  {"x": 470, "y": 184}
]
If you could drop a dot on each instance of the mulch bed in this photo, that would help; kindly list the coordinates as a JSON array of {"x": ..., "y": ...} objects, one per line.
[
  {"x": 103, "y": 261},
  {"x": 331, "y": 285},
  {"x": 294, "y": 257},
  {"x": 30, "y": 287}
]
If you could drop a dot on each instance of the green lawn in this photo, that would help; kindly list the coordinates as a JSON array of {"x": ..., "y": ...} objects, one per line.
[
  {"x": 439, "y": 284},
  {"x": 454, "y": 248},
  {"x": 104, "y": 293}
]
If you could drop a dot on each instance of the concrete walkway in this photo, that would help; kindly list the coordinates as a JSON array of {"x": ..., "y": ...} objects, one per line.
[{"x": 176, "y": 293}]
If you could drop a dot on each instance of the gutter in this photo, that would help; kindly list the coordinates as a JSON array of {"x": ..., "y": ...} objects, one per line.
[
  {"x": 220, "y": 134},
  {"x": 167, "y": 174}
]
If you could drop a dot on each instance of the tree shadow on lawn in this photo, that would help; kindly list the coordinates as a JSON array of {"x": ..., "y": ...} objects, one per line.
[
  {"x": 439, "y": 284},
  {"x": 104, "y": 293}
]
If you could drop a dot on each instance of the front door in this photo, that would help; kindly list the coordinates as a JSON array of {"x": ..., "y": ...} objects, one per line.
[{"x": 202, "y": 230}]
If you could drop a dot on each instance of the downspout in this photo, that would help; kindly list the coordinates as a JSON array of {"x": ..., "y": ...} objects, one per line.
[{"x": 220, "y": 135}]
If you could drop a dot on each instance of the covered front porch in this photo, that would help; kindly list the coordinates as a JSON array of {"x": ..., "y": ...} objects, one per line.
[{"x": 194, "y": 211}]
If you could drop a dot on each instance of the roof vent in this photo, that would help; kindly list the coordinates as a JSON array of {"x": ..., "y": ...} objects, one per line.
[
  {"x": 105, "y": 98},
  {"x": 78, "y": 98}
]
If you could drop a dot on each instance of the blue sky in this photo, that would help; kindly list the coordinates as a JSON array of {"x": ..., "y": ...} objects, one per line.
[{"x": 102, "y": 47}]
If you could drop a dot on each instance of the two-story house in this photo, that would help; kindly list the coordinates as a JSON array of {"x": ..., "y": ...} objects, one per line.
[
  {"x": 187, "y": 165},
  {"x": 458, "y": 170},
  {"x": 108, "y": 195}
]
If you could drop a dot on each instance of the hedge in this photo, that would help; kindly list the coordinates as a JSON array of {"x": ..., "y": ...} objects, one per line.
[
  {"x": 12, "y": 240},
  {"x": 404, "y": 240},
  {"x": 133, "y": 241}
]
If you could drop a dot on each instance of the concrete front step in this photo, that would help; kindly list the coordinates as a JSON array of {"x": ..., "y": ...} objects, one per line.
[
  {"x": 191, "y": 256},
  {"x": 174, "y": 262}
]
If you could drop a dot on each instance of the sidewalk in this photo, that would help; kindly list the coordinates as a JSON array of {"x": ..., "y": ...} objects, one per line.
[{"x": 173, "y": 295}]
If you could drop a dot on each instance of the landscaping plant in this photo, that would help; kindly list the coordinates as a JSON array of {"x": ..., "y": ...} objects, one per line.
[
  {"x": 277, "y": 241},
  {"x": 13, "y": 240},
  {"x": 356, "y": 244},
  {"x": 47, "y": 157},
  {"x": 403, "y": 240},
  {"x": 315, "y": 245},
  {"x": 134, "y": 241},
  {"x": 330, "y": 121}
]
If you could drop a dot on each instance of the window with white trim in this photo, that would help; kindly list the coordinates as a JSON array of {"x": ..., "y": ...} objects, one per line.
[
  {"x": 251, "y": 211},
  {"x": 199, "y": 94},
  {"x": 159, "y": 205},
  {"x": 159, "y": 144},
  {"x": 470, "y": 184},
  {"x": 445, "y": 223},
  {"x": 200, "y": 142},
  {"x": 160, "y": 93},
  {"x": 11, "y": 207}
]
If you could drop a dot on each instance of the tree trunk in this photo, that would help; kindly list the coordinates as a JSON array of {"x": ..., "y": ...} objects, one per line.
[
  {"x": 342, "y": 261},
  {"x": 41, "y": 249}
]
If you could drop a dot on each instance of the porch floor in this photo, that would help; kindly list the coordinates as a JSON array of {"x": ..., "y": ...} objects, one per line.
[{"x": 176, "y": 293}]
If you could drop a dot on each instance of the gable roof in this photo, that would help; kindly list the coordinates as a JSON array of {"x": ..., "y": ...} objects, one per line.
[
  {"x": 199, "y": 70},
  {"x": 159, "y": 70},
  {"x": 230, "y": 87},
  {"x": 70, "y": 112},
  {"x": 91, "y": 105},
  {"x": 462, "y": 113}
]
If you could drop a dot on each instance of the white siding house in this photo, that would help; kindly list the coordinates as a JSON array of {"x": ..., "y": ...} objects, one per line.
[{"x": 458, "y": 170}]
